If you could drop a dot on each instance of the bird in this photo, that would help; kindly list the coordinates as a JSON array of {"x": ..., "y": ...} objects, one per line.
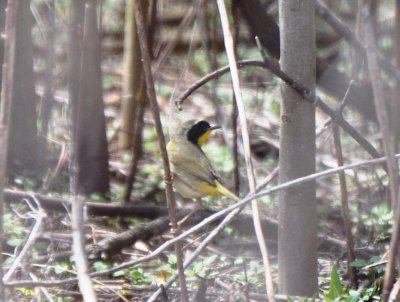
[{"x": 192, "y": 173}]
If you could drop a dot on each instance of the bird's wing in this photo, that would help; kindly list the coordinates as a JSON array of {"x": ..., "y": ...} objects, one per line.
[{"x": 193, "y": 161}]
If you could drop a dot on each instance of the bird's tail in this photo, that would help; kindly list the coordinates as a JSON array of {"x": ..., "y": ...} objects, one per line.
[{"x": 226, "y": 192}]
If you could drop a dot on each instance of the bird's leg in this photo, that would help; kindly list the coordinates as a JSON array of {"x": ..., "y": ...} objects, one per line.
[{"x": 197, "y": 207}]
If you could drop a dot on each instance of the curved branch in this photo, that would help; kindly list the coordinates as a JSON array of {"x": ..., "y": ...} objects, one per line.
[
  {"x": 345, "y": 31},
  {"x": 204, "y": 222},
  {"x": 215, "y": 74},
  {"x": 298, "y": 87}
]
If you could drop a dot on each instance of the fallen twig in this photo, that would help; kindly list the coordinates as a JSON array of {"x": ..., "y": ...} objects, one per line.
[{"x": 39, "y": 216}]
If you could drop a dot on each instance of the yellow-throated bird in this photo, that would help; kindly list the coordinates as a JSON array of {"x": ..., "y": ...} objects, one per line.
[{"x": 193, "y": 175}]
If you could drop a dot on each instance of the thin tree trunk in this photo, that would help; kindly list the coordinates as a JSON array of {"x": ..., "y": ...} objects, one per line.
[
  {"x": 351, "y": 271},
  {"x": 297, "y": 241},
  {"x": 2, "y": 26},
  {"x": 87, "y": 107},
  {"x": 77, "y": 211},
  {"x": 76, "y": 15},
  {"x": 134, "y": 96},
  {"x": 5, "y": 105},
  {"x": 47, "y": 101},
  {"x": 133, "y": 85},
  {"x": 395, "y": 102},
  {"x": 151, "y": 94},
  {"x": 137, "y": 150},
  {"x": 368, "y": 7},
  {"x": 23, "y": 129}
]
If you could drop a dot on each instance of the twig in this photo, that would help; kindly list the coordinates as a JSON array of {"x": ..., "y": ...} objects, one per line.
[
  {"x": 137, "y": 148},
  {"x": 200, "y": 8},
  {"x": 272, "y": 175},
  {"x": 44, "y": 290},
  {"x": 341, "y": 28},
  {"x": 199, "y": 249},
  {"x": 151, "y": 94},
  {"x": 234, "y": 113},
  {"x": 40, "y": 214},
  {"x": 247, "y": 284},
  {"x": 343, "y": 195},
  {"x": 225, "y": 222},
  {"x": 116, "y": 292},
  {"x": 394, "y": 293},
  {"x": 62, "y": 159},
  {"x": 206, "y": 222},
  {"x": 302, "y": 90},
  {"x": 183, "y": 69},
  {"x": 235, "y": 147},
  {"x": 170, "y": 47},
  {"x": 388, "y": 146},
  {"x": 345, "y": 207},
  {"x": 47, "y": 101},
  {"x": 213, "y": 75},
  {"x": 246, "y": 200},
  {"x": 380, "y": 105},
  {"x": 246, "y": 144},
  {"x": 310, "y": 96}
]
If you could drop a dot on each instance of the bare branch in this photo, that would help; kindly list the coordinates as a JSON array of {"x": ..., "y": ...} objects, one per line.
[
  {"x": 39, "y": 216},
  {"x": 341, "y": 28},
  {"x": 206, "y": 222},
  {"x": 151, "y": 94},
  {"x": 246, "y": 144},
  {"x": 388, "y": 144},
  {"x": 345, "y": 207},
  {"x": 302, "y": 90}
]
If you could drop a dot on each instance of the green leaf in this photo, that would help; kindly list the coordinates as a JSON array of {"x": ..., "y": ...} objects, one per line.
[
  {"x": 119, "y": 273},
  {"x": 353, "y": 296},
  {"x": 172, "y": 259},
  {"x": 335, "y": 286},
  {"x": 275, "y": 106},
  {"x": 100, "y": 265},
  {"x": 14, "y": 241},
  {"x": 18, "y": 230},
  {"x": 359, "y": 263},
  {"x": 61, "y": 267},
  {"x": 374, "y": 259}
]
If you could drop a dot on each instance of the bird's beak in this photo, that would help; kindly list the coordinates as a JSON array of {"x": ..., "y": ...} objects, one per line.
[{"x": 214, "y": 127}]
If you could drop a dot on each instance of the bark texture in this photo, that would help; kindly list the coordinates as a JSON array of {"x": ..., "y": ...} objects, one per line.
[
  {"x": 133, "y": 85},
  {"x": 87, "y": 108},
  {"x": 22, "y": 153},
  {"x": 297, "y": 231},
  {"x": 5, "y": 104}
]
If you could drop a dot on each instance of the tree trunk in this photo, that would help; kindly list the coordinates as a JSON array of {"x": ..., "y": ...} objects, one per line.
[
  {"x": 23, "y": 131},
  {"x": 2, "y": 27},
  {"x": 297, "y": 256},
  {"x": 394, "y": 105},
  {"x": 87, "y": 108},
  {"x": 6, "y": 99},
  {"x": 133, "y": 85},
  {"x": 330, "y": 79}
]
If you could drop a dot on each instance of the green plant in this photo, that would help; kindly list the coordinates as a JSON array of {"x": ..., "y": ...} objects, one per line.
[
  {"x": 335, "y": 286},
  {"x": 339, "y": 292},
  {"x": 139, "y": 276}
]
